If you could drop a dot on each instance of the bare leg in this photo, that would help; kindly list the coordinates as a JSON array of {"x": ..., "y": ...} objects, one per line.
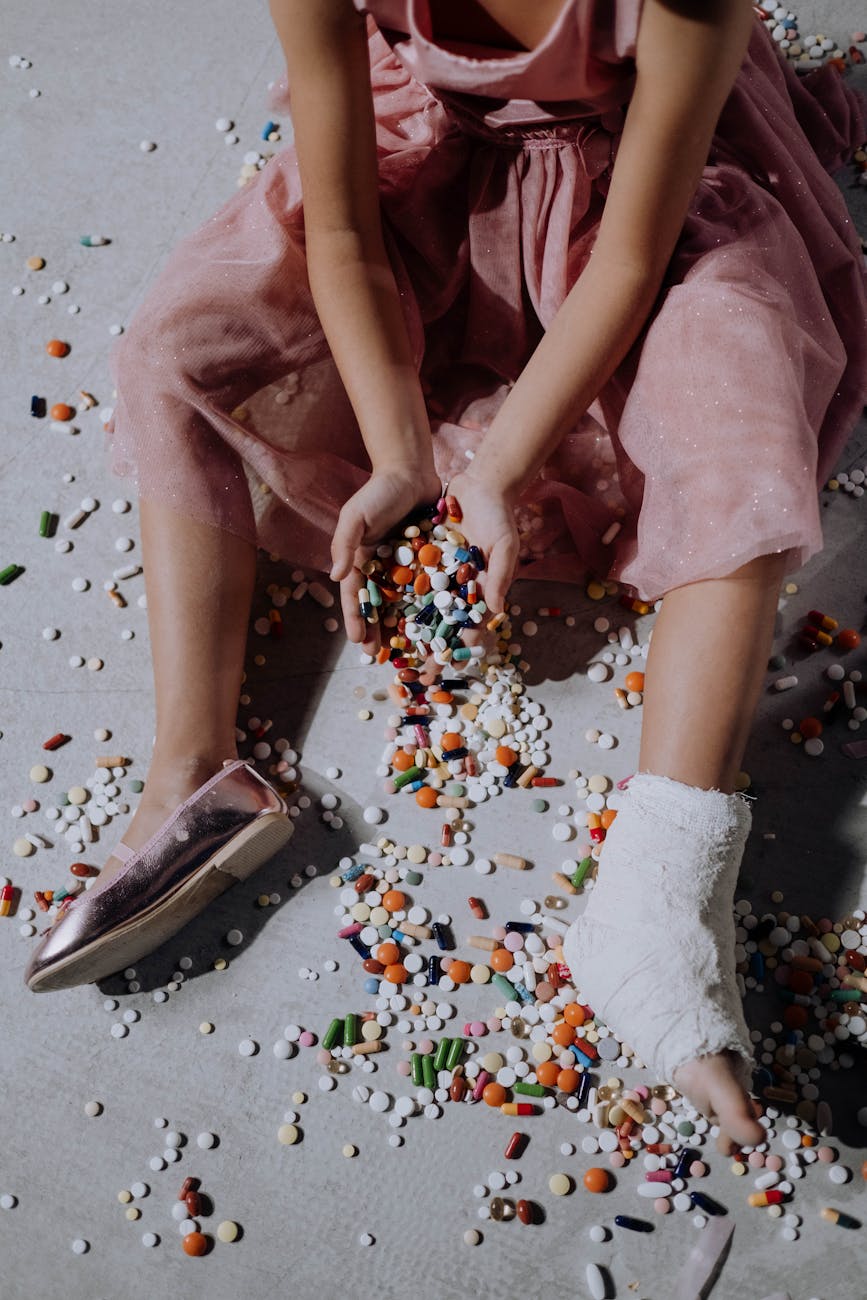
[
  {"x": 199, "y": 582},
  {"x": 704, "y": 672}
]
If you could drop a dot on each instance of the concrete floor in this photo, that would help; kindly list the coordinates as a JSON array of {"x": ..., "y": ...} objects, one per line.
[{"x": 111, "y": 76}]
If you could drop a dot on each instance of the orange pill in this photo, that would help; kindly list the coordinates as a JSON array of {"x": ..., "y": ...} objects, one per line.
[
  {"x": 864, "y": 1171},
  {"x": 401, "y": 576},
  {"x": 494, "y": 1094},
  {"x": 429, "y": 555},
  {"x": 56, "y": 348},
  {"x": 810, "y": 728},
  {"x": 597, "y": 1180},
  {"x": 563, "y": 1034},
  {"x": 195, "y": 1243},
  {"x": 451, "y": 740},
  {"x": 568, "y": 1080},
  {"x": 546, "y": 1073},
  {"x": 60, "y": 411},
  {"x": 421, "y": 585},
  {"x": 442, "y": 697},
  {"x": 393, "y": 900},
  {"x": 848, "y": 639},
  {"x": 574, "y": 1014},
  {"x": 426, "y": 797},
  {"x": 459, "y": 972},
  {"x": 402, "y": 760},
  {"x": 607, "y": 816},
  {"x": 506, "y": 756},
  {"x": 501, "y": 959},
  {"x": 634, "y": 681},
  {"x": 388, "y": 953},
  {"x": 395, "y": 973}
]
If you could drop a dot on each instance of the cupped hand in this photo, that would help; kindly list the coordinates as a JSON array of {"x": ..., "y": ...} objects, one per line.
[
  {"x": 365, "y": 521},
  {"x": 488, "y": 523}
]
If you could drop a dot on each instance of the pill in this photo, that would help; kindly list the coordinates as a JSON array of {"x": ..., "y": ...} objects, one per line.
[
  {"x": 228, "y": 1230},
  {"x": 524, "y": 1211},
  {"x": 195, "y": 1243},
  {"x": 839, "y": 1217},
  {"x": 596, "y": 1283}
]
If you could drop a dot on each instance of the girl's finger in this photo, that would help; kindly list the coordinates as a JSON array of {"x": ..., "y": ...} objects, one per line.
[
  {"x": 347, "y": 536},
  {"x": 356, "y": 628},
  {"x": 498, "y": 575}
]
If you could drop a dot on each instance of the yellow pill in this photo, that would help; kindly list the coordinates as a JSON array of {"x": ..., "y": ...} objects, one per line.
[
  {"x": 227, "y": 1231},
  {"x": 492, "y": 1062},
  {"x": 78, "y": 794},
  {"x": 206, "y": 1027},
  {"x": 287, "y": 1134},
  {"x": 595, "y": 591},
  {"x": 598, "y": 784},
  {"x": 378, "y": 916},
  {"x": 542, "y": 1052},
  {"x": 23, "y": 848},
  {"x": 35, "y": 263},
  {"x": 40, "y": 773},
  {"x": 133, "y": 1213},
  {"x": 349, "y": 1151},
  {"x": 560, "y": 1184},
  {"x": 220, "y": 963},
  {"x": 299, "y": 1098},
  {"x": 417, "y": 853},
  {"x": 364, "y": 715},
  {"x": 124, "y": 1197},
  {"x": 480, "y": 974},
  {"x": 371, "y": 1031},
  {"x": 738, "y": 1167}
]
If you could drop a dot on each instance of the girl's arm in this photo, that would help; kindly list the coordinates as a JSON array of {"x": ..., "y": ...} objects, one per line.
[
  {"x": 353, "y": 286},
  {"x": 688, "y": 54}
]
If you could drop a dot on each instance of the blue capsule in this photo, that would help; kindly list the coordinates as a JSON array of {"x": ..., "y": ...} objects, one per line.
[
  {"x": 634, "y": 1225},
  {"x": 519, "y": 927},
  {"x": 268, "y": 128},
  {"x": 580, "y": 1057},
  {"x": 524, "y": 993},
  {"x": 705, "y": 1203},
  {"x": 511, "y": 777},
  {"x": 361, "y": 948},
  {"x": 37, "y": 406},
  {"x": 476, "y": 557},
  {"x": 757, "y": 966},
  {"x": 433, "y": 969},
  {"x": 442, "y": 935},
  {"x": 353, "y": 872},
  {"x": 685, "y": 1160}
]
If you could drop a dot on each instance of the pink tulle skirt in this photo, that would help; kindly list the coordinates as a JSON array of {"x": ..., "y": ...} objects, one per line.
[{"x": 708, "y": 443}]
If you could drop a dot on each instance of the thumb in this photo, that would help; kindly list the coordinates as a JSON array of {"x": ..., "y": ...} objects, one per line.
[
  {"x": 501, "y": 566},
  {"x": 347, "y": 537}
]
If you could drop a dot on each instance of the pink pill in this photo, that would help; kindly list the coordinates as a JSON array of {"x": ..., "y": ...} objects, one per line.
[
  {"x": 513, "y": 942},
  {"x": 435, "y": 859},
  {"x": 826, "y": 1154},
  {"x": 642, "y": 1092},
  {"x": 30, "y": 805},
  {"x": 404, "y": 1068},
  {"x": 425, "y": 1047},
  {"x": 307, "y": 1039},
  {"x": 697, "y": 1169},
  {"x": 617, "y": 1160},
  {"x": 662, "y": 1205},
  {"x": 825, "y": 925},
  {"x": 774, "y": 1163},
  {"x": 498, "y": 933},
  {"x": 658, "y": 1106},
  {"x": 756, "y": 1160},
  {"x": 494, "y": 1024},
  {"x": 478, "y": 1028},
  {"x": 322, "y": 1056}
]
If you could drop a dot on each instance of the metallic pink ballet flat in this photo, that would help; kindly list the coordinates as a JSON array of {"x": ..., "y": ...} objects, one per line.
[{"x": 224, "y": 832}]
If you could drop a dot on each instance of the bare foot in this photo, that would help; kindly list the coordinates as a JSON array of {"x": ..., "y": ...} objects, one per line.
[
  {"x": 711, "y": 1084},
  {"x": 167, "y": 786}
]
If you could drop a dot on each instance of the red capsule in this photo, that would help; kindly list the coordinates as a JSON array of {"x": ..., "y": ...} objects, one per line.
[
  {"x": 193, "y": 1202},
  {"x": 454, "y": 509},
  {"x": 82, "y": 870},
  {"x": 515, "y": 1146},
  {"x": 477, "y": 908},
  {"x": 40, "y": 900},
  {"x": 408, "y": 675},
  {"x": 458, "y": 1085},
  {"x": 363, "y": 883},
  {"x": 372, "y": 966},
  {"x": 465, "y": 573},
  {"x": 188, "y": 1185},
  {"x": 446, "y": 835},
  {"x": 56, "y": 741},
  {"x": 544, "y": 781},
  {"x": 524, "y": 1211}
]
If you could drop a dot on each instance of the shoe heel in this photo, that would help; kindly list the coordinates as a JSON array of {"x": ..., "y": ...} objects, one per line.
[{"x": 250, "y": 850}]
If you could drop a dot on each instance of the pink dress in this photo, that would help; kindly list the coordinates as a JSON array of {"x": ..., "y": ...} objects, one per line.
[{"x": 710, "y": 440}]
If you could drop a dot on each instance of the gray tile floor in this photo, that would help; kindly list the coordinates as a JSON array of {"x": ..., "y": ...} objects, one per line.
[{"x": 109, "y": 77}]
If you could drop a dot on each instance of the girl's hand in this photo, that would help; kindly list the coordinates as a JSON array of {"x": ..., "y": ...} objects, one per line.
[
  {"x": 489, "y": 523},
  {"x": 365, "y": 520}
]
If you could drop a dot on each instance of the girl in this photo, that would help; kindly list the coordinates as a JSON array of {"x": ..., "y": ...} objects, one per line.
[{"x": 595, "y": 243}]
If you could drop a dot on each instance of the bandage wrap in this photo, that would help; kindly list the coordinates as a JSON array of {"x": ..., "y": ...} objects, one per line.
[{"x": 654, "y": 951}]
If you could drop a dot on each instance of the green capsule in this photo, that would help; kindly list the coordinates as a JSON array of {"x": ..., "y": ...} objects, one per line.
[
  {"x": 441, "y": 1054},
  {"x": 44, "y": 523},
  {"x": 505, "y": 986},
  {"x": 531, "y": 1089},
  {"x": 373, "y": 592},
  {"x": 350, "y": 1029},
  {"x": 580, "y": 872},
  {"x": 845, "y": 995},
  {"x": 404, "y": 778},
  {"x": 428, "y": 1072},
  {"x": 333, "y": 1034},
  {"x": 455, "y": 1052},
  {"x": 463, "y": 652},
  {"x": 417, "y": 1072},
  {"x": 10, "y": 573}
]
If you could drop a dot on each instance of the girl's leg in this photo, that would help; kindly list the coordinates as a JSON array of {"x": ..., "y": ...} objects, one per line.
[
  {"x": 199, "y": 582},
  {"x": 704, "y": 672}
]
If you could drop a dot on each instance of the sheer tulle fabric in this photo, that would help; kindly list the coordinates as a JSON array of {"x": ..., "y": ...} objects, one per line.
[{"x": 709, "y": 441}]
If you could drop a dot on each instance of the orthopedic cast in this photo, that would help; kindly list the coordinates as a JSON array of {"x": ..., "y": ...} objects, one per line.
[{"x": 653, "y": 953}]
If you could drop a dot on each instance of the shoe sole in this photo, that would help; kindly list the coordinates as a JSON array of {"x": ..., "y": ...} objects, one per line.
[{"x": 145, "y": 932}]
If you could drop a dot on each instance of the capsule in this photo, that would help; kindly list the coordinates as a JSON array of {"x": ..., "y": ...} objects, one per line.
[
  {"x": 769, "y": 1197},
  {"x": 634, "y": 1225},
  {"x": 581, "y": 871},
  {"x": 333, "y": 1034},
  {"x": 433, "y": 969},
  {"x": 705, "y": 1203},
  {"x": 441, "y": 935},
  {"x": 56, "y": 741},
  {"x": 458, "y": 1085},
  {"x": 7, "y": 894},
  {"x": 428, "y": 1073},
  {"x": 524, "y": 1211},
  {"x": 189, "y": 1185},
  {"x": 824, "y": 621},
  {"x": 477, "y": 908},
  {"x": 510, "y": 860},
  {"x": 841, "y": 1219},
  {"x": 93, "y": 241},
  {"x": 517, "y": 1108},
  {"x": 193, "y": 1202},
  {"x": 515, "y": 1146}
]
